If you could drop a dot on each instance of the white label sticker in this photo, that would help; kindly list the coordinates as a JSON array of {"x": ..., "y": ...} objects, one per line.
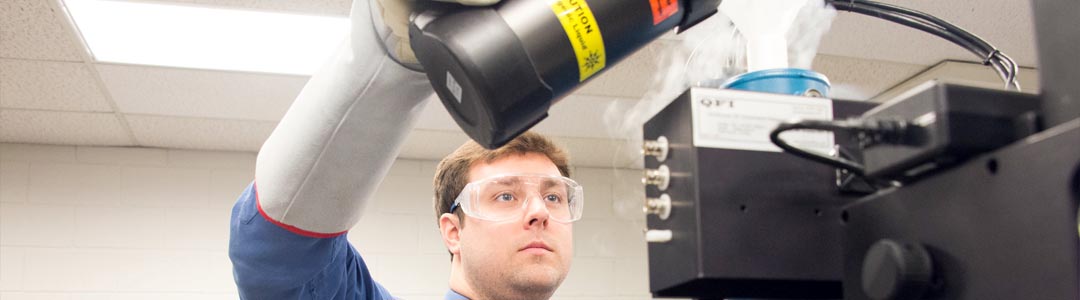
[
  {"x": 453, "y": 86},
  {"x": 743, "y": 120}
]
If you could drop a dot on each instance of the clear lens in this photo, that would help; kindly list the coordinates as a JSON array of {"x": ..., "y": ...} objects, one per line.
[{"x": 507, "y": 197}]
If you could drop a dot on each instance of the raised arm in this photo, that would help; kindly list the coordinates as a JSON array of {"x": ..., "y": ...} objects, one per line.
[
  {"x": 319, "y": 167},
  {"x": 337, "y": 141},
  {"x": 322, "y": 163}
]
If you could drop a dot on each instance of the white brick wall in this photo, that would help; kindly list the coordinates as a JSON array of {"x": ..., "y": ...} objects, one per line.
[{"x": 125, "y": 223}]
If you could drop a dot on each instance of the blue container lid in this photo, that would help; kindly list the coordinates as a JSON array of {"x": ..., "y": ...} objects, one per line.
[
  {"x": 788, "y": 73},
  {"x": 788, "y": 81}
]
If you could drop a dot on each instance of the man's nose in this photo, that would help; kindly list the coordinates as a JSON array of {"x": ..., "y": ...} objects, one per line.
[{"x": 536, "y": 212}]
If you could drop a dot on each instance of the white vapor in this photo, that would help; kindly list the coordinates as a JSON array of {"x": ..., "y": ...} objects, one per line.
[{"x": 709, "y": 53}]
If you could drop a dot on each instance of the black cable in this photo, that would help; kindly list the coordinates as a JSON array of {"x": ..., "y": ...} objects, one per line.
[
  {"x": 867, "y": 132},
  {"x": 1005, "y": 66},
  {"x": 916, "y": 23},
  {"x": 979, "y": 43},
  {"x": 935, "y": 20},
  {"x": 837, "y": 162},
  {"x": 938, "y": 31},
  {"x": 1015, "y": 69},
  {"x": 990, "y": 55}
]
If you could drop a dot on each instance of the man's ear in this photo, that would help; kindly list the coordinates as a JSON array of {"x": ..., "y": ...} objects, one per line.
[{"x": 450, "y": 227}]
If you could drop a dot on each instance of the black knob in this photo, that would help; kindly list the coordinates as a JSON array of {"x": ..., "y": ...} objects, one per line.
[{"x": 896, "y": 271}]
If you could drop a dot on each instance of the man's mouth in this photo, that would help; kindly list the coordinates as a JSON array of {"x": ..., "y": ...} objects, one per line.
[{"x": 537, "y": 246}]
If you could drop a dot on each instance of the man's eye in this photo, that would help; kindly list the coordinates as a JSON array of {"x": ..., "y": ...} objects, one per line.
[
  {"x": 553, "y": 198},
  {"x": 505, "y": 197}
]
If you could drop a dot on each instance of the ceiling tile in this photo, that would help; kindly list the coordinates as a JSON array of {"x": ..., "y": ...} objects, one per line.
[
  {"x": 50, "y": 85},
  {"x": 431, "y": 144},
  {"x": 197, "y": 109},
  {"x": 67, "y": 128},
  {"x": 584, "y": 152},
  {"x": 192, "y": 133},
  {"x": 32, "y": 29},
  {"x": 590, "y": 152},
  {"x": 584, "y": 116},
  {"x": 862, "y": 79},
  {"x": 631, "y": 77},
  {"x": 200, "y": 93},
  {"x": 319, "y": 7},
  {"x": 1006, "y": 24},
  {"x": 963, "y": 73}
]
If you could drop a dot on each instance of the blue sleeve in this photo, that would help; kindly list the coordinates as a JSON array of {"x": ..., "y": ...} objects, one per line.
[{"x": 270, "y": 262}]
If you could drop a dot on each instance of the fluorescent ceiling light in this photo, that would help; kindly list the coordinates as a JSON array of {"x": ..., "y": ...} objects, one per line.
[{"x": 206, "y": 38}]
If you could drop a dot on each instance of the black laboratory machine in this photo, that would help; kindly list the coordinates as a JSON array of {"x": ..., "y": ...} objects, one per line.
[{"x": 945, "y": 192}]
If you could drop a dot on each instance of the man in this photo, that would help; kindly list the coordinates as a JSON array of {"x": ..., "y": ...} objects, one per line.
[
  {"x": 509, "y": 229},
  {"x": 505, "y": 215}
]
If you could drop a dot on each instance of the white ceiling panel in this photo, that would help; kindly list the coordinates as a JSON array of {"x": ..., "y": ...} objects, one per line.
[
  {"x": 33, "y": 29},
  {"x": 313, "y": 7},
  {"x": 584, "y": 152},
  {"x": 67, "y": 128},
  {"x": 590, "y": 152},
  {"x": 583, "y": 116},
  {"x": 317, "y": 7},
  {"x": 50, "y": 85},
  {"x": 861, "y": 79},
  {"x": 200, "y": 93},
  {"x": 220, "y": 110},
  {"x": 1005, "y": 24},
  {"x": 631, "y": 77},
  {"x": 964, "y": 73},
  {"x": 192, "y": 133},
  {"x": 431, "y": 144}
]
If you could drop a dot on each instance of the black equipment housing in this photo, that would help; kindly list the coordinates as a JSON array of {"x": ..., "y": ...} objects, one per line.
[
  {"x": 1000, "y": 223},
  {"x": 498, "y": 69},
  {"x": 950, "y": 123},
  {"x": 745, "y": 223}
]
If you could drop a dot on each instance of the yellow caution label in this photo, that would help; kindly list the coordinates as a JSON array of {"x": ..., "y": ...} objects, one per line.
[{"x": 584, "y": 34}]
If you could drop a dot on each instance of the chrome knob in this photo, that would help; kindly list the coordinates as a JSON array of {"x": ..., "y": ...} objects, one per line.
[
  {"x": 657, "y": 148},
  {"x": 661, "y": 207},
  {"x": 660, "y": 177}
]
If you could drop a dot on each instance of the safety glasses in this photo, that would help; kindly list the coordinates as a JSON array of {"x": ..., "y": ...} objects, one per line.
[{"x": 507, "y": 197}]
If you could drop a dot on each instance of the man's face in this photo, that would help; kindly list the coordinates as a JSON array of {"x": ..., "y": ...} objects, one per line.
[{"x": 527, "y": 254}]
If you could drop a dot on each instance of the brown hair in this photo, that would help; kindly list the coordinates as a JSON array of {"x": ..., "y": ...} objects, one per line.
[{"x": 453, "y": 171}]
